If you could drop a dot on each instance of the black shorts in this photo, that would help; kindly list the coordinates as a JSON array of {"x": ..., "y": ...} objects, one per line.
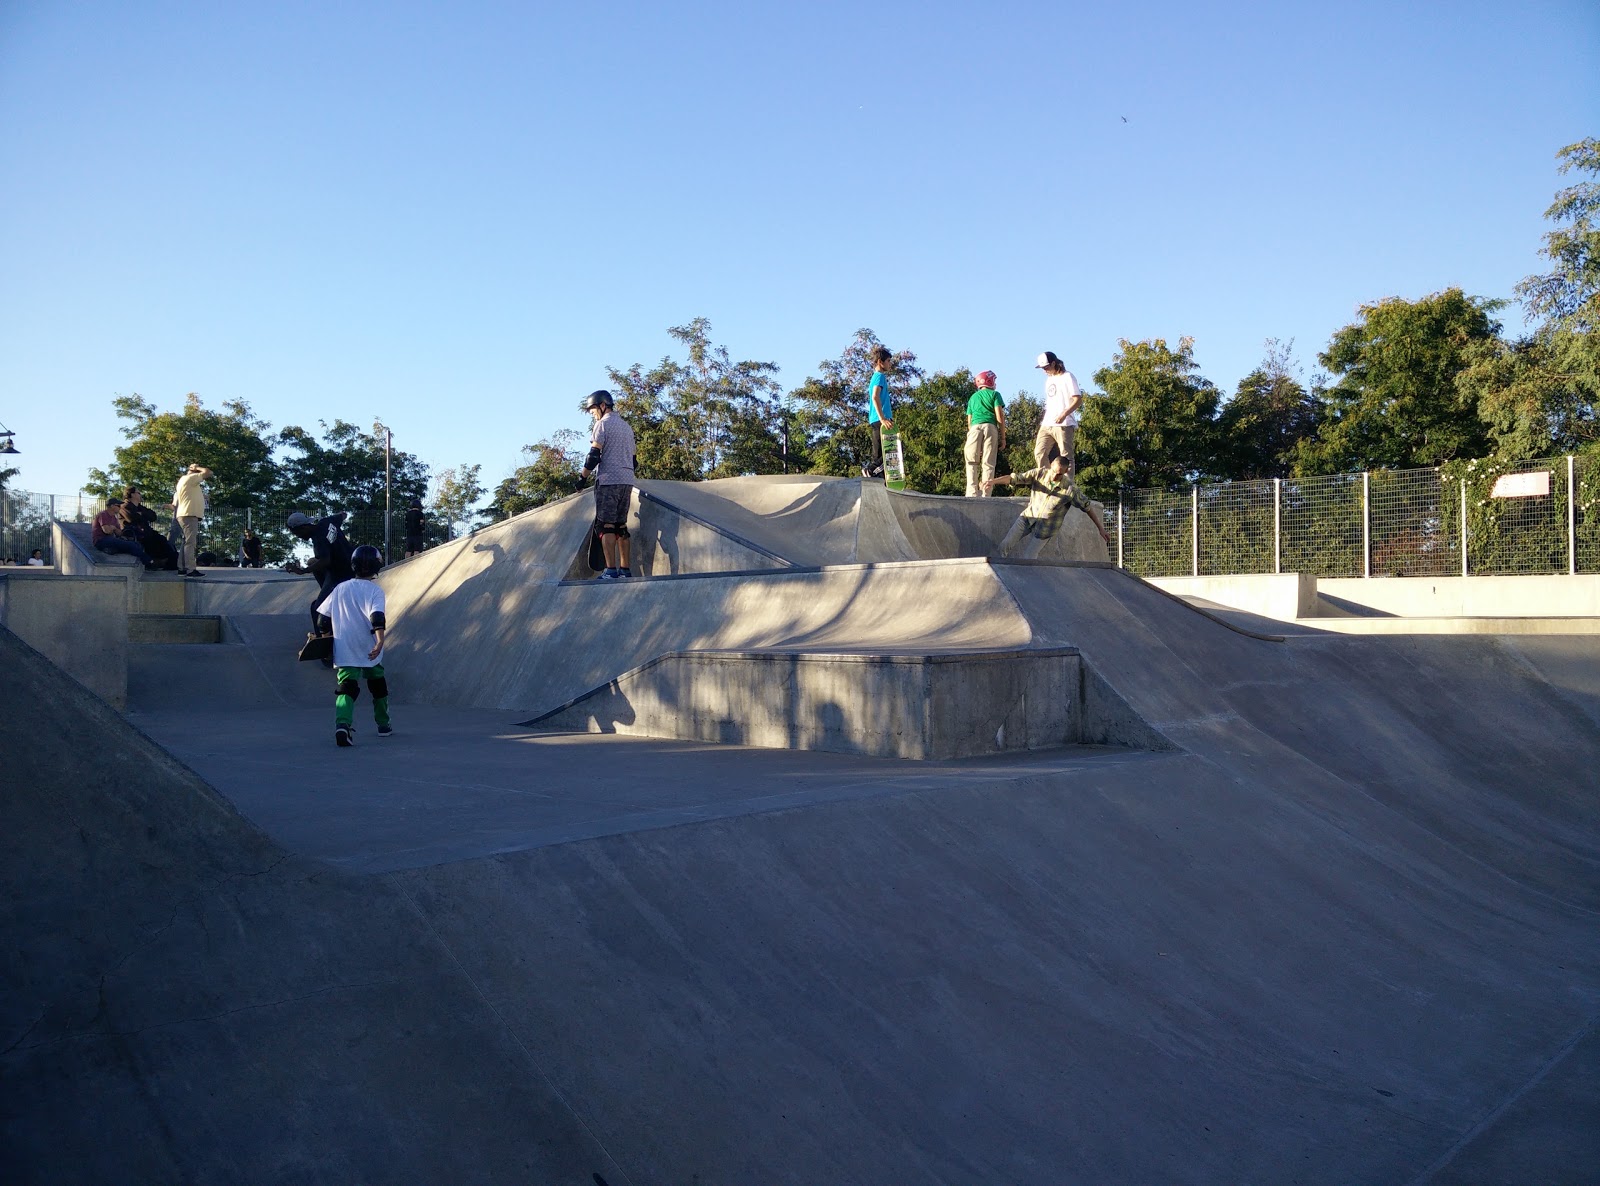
[
  {"x": 413, "y": 543},
  {"x": 611, "y": 504}
]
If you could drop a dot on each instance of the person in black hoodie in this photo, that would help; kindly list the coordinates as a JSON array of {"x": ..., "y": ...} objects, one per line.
[
  {"x": 414, "y": 528},
  {"x": 140, "y": 524},
  {"x": 330, "y": 558}
]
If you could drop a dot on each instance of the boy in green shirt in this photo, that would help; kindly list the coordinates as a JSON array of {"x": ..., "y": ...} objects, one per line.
[
  {"x": 1053, "y": 492},
  {"x": 986, "y": 434}
]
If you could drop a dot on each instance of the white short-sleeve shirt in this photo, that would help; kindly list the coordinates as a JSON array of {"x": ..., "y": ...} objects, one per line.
[
  {"x": 1059, "y": 390},
  {"x": 351, "y": 606}
]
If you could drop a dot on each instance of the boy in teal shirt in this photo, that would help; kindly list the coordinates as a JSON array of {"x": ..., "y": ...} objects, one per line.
[{"x": 986, "y": 434}]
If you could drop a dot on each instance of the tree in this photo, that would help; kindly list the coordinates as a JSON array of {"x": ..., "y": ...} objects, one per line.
[
  {"x": 828, "y": 422},
  {"x": 709, "y": 417},
  {"x": 1261, "y": 427},
  {"x": 456, "y": 494},
  {"x": 551, "y": 474},
  {"x": 1397, "y": 403},
  {"x": 932, "y": 420},
  {"x": 232, "y": 443},
  {"x": 345, "y": 470},
  {"x": 1539, "y": 394},
  {"x": 1155, "y": 424}
]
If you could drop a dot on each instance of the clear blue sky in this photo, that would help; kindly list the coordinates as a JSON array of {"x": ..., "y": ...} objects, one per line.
[{"x": 455, "y": 216}]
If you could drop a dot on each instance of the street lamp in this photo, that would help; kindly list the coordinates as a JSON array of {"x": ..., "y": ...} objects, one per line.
[
  {"x": 388, "y": 444},
  {"x": 5, "y": 441}
]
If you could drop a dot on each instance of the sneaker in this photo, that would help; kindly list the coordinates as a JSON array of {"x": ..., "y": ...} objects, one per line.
[
  {"x": 344, "y": 737},
  {"x": 866, "y": 471},
  {"x": 610, "y": 574},
  {"x": 385, "y": 730},
  {"x": 192, "y": 575},
  {"x": 624, "y": 572}
]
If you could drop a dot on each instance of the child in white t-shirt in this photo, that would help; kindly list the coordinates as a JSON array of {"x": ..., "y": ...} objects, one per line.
[{"x": 356, "y": 609}]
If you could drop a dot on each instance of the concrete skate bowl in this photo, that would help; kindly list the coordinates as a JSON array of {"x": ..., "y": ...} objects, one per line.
[{"x": 1346, "y": 934}]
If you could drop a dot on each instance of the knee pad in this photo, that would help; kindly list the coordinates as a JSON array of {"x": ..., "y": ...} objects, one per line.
[
  {"x": 349, "y": 687},
  {"x": 378, "y": 687}
]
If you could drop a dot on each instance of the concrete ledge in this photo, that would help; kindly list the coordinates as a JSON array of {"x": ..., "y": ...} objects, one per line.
[
  {"x": 78, "y": 623},
  {"x": 1463, "y": 625},
  {"x": 1284, "y": 596},
  {"x": 1560, "y": 596},
  {"x": 927, "y": 706},
  {"x": 174, "y": 628}
]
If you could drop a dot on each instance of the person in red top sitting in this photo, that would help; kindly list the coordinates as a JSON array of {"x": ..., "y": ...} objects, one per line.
[{"x": 105, "y": 533}]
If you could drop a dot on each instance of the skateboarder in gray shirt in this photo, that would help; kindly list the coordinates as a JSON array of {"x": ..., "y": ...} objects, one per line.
[{"x": 610, "y": 460}]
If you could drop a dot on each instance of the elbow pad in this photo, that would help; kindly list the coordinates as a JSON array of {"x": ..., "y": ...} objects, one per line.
[
  {"x": 377, "y": 620},
  {"x": 593, "y": 460}
]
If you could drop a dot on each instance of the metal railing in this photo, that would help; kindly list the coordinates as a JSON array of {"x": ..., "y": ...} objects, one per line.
[{"x": 1484, "y": 517}]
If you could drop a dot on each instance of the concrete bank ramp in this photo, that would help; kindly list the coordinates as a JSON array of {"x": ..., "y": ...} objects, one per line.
[
  {"x": 185, "y": 1002},
  {"x": 1259, "y": 960}
]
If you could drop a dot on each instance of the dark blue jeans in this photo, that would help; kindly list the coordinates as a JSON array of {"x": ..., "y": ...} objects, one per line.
[{"x": 125, "y": 547}]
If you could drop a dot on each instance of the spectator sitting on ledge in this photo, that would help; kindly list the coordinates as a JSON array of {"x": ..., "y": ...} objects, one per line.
[{"x": 105, "y": 533}]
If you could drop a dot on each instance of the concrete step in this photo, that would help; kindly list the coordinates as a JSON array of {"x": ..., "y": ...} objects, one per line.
[
  {"x": 174, "y": 628},
  {"x": 914, "y": 705}
]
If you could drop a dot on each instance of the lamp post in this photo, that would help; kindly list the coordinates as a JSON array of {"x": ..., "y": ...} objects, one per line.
[
  {"x": 388, "y": 445},
  {"x": 5, "y": 441}
]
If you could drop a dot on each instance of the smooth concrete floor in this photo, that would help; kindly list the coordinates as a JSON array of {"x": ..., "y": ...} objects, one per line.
[{"x": 452, "y": 785}]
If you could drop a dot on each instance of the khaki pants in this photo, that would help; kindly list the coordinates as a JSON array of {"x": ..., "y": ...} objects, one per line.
[
  {"x": 983, "y": 449},
  {"x": 1021, "y": 542},
  {"x": 191, "y": 542},
  {"x": 1056, "y": 440}
]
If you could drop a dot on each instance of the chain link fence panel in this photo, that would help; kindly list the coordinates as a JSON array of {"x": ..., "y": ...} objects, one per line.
[
  {"x": 1157, "y": 533},
  {"x": 1237, "y": 523},
  {"x": 24, "y": 526}
]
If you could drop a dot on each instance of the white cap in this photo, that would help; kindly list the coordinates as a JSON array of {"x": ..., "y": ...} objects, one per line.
[{"x": 1046, "y": 359}]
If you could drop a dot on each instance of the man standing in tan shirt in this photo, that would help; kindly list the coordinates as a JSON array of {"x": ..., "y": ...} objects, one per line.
[{"x": 188, "y": 505}]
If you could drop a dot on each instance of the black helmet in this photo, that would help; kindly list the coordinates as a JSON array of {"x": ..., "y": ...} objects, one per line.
[
  {"x": 597, "y": 399},
  {"x": 366, "y": 561}
]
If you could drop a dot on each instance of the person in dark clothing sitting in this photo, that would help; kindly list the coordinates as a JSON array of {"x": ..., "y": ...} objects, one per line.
[{"x": 139, "y": 523}]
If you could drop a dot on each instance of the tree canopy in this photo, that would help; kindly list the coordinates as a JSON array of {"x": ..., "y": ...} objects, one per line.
[{"x": 1155, "y": 423}]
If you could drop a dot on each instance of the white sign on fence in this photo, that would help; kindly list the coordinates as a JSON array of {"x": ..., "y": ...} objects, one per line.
[{"x": 1530, "y": 485}]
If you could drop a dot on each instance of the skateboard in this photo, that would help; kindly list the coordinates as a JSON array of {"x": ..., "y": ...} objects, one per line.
[
  {"x": 894, "y": 460},
  {"x": 597, "y": 554},
  {"x": 317, "y": 646}
]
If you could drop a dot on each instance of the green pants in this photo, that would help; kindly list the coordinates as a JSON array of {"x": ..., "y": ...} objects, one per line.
[{"x": 347, "y": 688}]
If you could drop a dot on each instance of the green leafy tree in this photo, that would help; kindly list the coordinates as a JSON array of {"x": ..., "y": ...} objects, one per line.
[
  {"x": 551, "y": 474},
  {"x": 1260, "y": 429},
  {"x": 708, "y": 417},
  {"x": 1396, "y": 402},
  {"x": 231, "y": 442},
  {"x": 1539, "y": 395},
  {"x": 1024, "y": 410},
  {"x": 828, "y": 424},
  {"x": 1155, "y": 424},
  {"x": 932, "y": 420},
  {"x": 455, "y": 496},
  {"x": 345, "y": 470}
]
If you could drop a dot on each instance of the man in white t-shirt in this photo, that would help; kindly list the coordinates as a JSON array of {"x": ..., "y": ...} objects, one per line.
[{"x": 1063, "y": 403}]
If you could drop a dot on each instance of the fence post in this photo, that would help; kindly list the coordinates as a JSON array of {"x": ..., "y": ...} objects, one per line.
[
  {"x": 1194, "y": 529},
  {"x": 1366, "y": 523},
  {"x": 1572, "y": 521},
  {"x": 1120, "y": 519},
  {"x": 1277, "y": 525},
  {"x": 1463, "y": 527}
]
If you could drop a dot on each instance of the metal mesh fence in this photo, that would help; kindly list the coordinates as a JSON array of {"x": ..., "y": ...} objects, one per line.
[
  {"x": 1321, "y": 525},
  {"x": 1157, "y": 532},
  {"x": 1586, "y": 514},
  {"x": 24, "y": 526},
  {"x": 1409, "y": 532},
  {"x": 1516, "y": 516},
  {"x": 1521, "y": 519},
  {"x": 1236, "y": 527}
]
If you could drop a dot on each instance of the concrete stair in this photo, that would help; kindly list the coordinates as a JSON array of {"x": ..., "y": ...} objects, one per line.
[{"x": 145, "y": 629}]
